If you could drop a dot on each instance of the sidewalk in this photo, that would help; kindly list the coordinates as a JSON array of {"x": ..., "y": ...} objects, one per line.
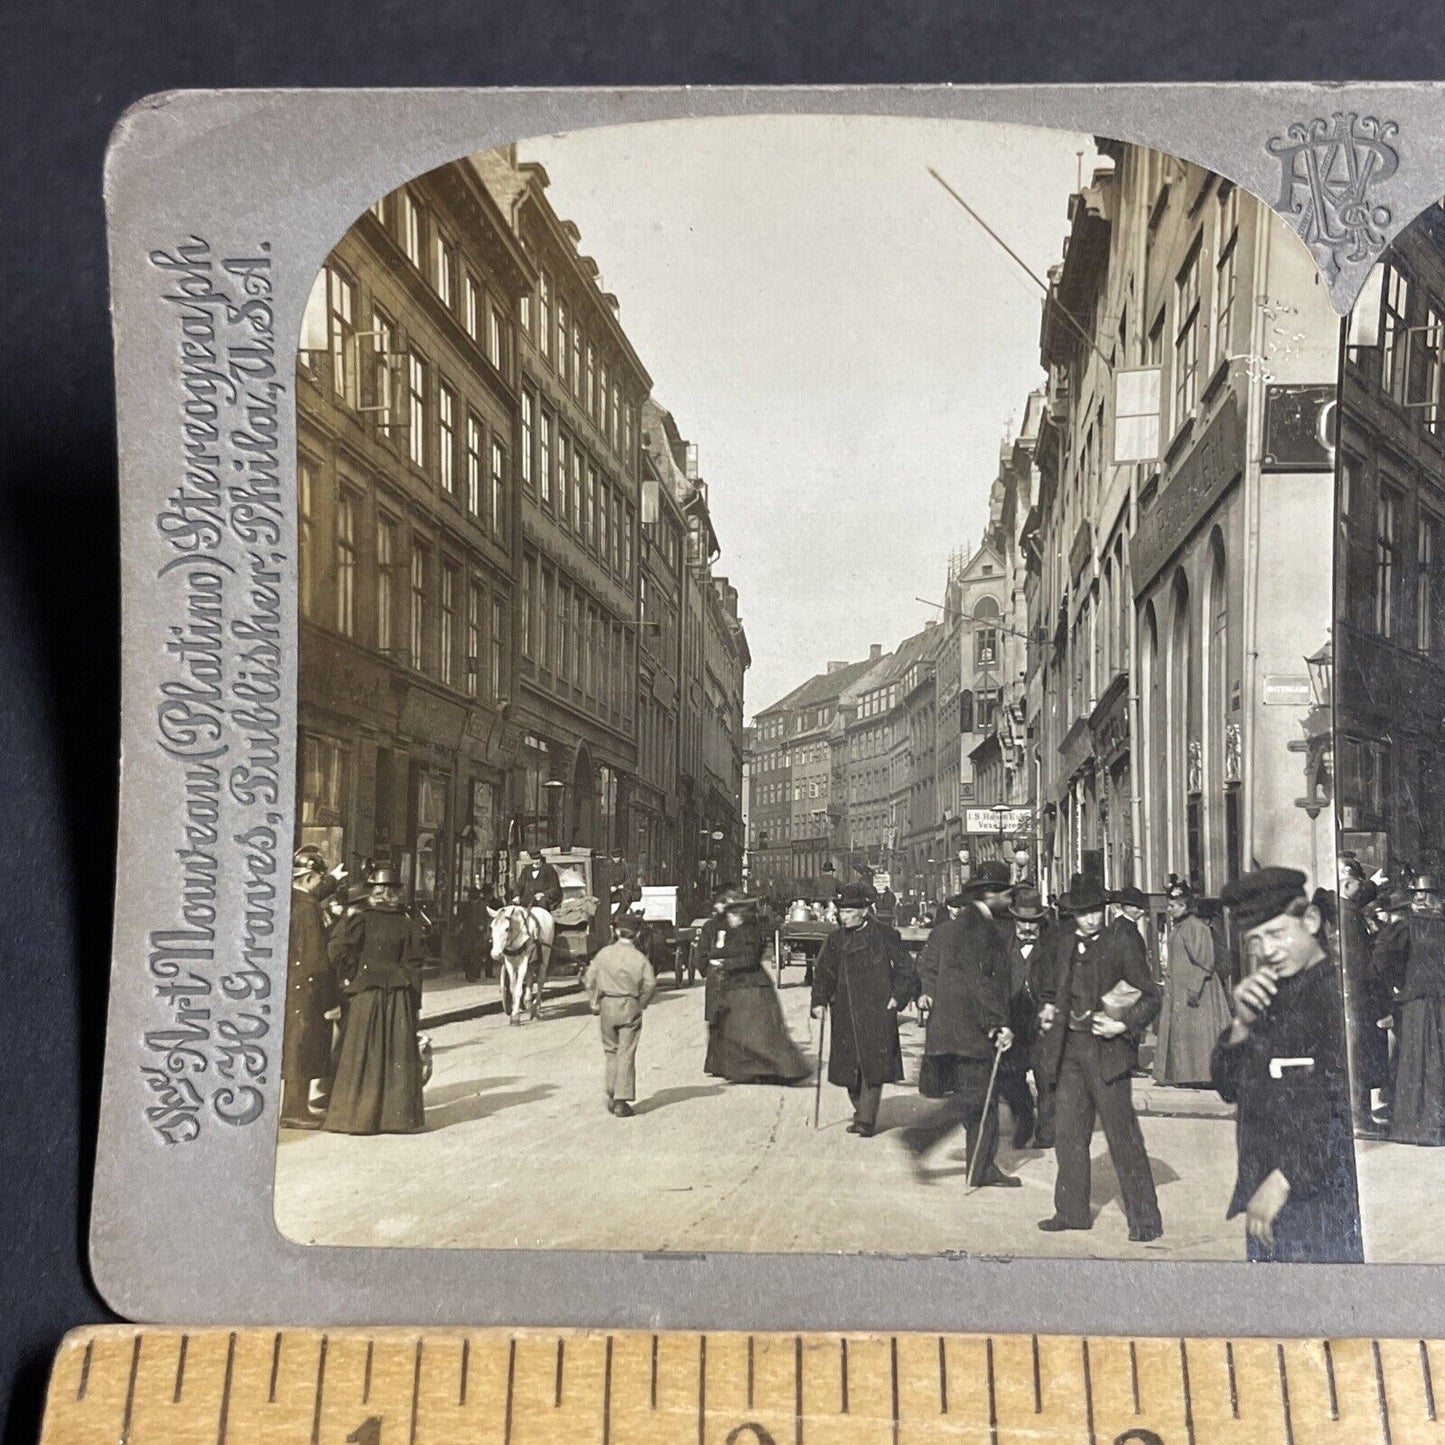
[{"x": 1170, "y": 1102}]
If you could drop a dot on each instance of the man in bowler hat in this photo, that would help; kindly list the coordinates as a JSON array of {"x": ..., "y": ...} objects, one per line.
[
  {"x": 1099, "y": 1001},
  {"x": 964, "y": 972},
  {"x": 1029, "y": 935},
  {"x": 1281, "y": 1061}
]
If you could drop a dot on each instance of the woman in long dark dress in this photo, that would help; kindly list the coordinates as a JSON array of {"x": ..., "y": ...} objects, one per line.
[
  {"x": 378, "y": 951},
  {"x": 748, "y": 1041}
]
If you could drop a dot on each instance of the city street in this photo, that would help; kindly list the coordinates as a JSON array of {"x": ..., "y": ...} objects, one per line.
[{"x": 519, "y": 1151}]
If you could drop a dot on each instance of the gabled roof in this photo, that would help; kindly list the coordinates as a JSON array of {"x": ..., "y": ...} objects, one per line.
[{"x": 820, "y": 688}]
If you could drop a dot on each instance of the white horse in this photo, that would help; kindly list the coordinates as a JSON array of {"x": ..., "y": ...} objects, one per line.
[{"x": 522, "y": 944}]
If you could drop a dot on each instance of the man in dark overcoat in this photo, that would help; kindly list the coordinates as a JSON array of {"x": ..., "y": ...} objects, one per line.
[
  {"x": 311, "y": 992},
  {"x": 1366, "y": 999},
  {"x": 1412, "y": 960},
  {"x": 537, "y": 885},
  {"x": 1282, "y": 1062},
  {"x": 964, "y": 974},
  {"x": 1028, "y": 933},
  {"x": 866, "y": 975},
  {"x": 1089, "y": 1051}
]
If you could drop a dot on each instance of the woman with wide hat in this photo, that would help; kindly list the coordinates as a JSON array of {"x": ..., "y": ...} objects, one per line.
[
  {"x": 747, "y": 1039},
  {"x": 1196, "y": 1007},
  {"x": 378, "y": 950}
]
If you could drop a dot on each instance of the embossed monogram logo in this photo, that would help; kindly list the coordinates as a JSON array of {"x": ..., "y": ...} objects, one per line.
[{"x": 1327, "y": 171}]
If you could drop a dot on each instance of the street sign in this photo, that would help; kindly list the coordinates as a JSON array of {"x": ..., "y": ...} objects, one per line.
[
  {"x": 995, "y": 820},
  {"x": 1286, "y": 691}
]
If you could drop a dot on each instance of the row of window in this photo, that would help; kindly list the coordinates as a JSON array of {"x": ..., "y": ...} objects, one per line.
[
  {"x": 581, "y": 367},
  {"x": 413, "y": 406},
  {"x": 424, "y": 606},
  {"x": 1406, "y": 359},
  {"x": 572, "y": 637},
  {"x": 485, "y": 315},
  {"x": 574, "y": 490}
]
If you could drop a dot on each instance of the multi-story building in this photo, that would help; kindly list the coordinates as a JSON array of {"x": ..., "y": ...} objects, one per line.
[
  {"x": 408, "y": 435},
  {"x": 1179, "y": 530},
  {"x": 581, "y": 393},
  {"x": 1389, "y": 654}
]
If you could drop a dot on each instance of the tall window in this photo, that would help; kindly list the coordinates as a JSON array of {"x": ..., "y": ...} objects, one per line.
[
  {"x": 544, "y": 459},
  {"x": 499, "y": 489},
  {"x": 603, "y": 395},
  {"x": 447, "y": 438},
  {"x": 383, "y": 377},
  {"x": 577, "y": 368},
  {"x": 1394, "y": 332},
  {"x": 386, "y": 554},
  {"x": 604, "y": 525},
  {"x": 1186, "y": 337},
  {"x": 444, "y": 266},
  {"x": 328, "y": 327},
  {"x": 1432, "y": 344},
  {"x": 499, "y": 631},
  {"x": 627, "y": 548},
  {"x": 613, "y": 425},
  {"x": 472, "y": 307},
  {"x": 546, "y": 622},
  {"x": 419, "y": 561},
  {"x": 577, "y": 489},
  {"x": 474, "y": 639},
  {"x": 345, "y": 564},
  {"x": 416, "y": 408},
  {"x": 544, "y": 313},
  {"x": 589, "y": 508},
  {"x": 529, "y": 426},
  {"x": 449, "y": 622},
  {"x": 627, "y": 433},
  {"x": 563, "y": 332},
  {"x": 564, "y": 630},
  {"x": 305, "y": 539},
  {"x": 411, "y": 227},
  {"x": 592, "y": 381},
  {"x": 1225, "y": 267},
  {"x": 529, "y": 603},
  {"x": 494, "y": 337},
  {"x": 474, "y": 465},
  {"x": 1387, "y": 511},
  {"x": 564, "y": 464},
  {"x": 1427, "y": 555}
]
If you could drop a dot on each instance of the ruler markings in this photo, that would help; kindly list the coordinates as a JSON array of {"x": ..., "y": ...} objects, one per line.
[
  {"x": 893, "y": 1383},
  {"x": 366, "y": 1374},
  {"x": 320, "y": 1387},
  {"x": 702, "y": 1390},
  {"x": 84, "y": 1384},
  {"x": 466, "y": 1365},
  {"x": 653, "y": 1397},
  {"x": 511, "y": 1390},
  {"x": 1184, "y": 1382},
  {"x": 1428, "y": 1380},
  {"x": 843, "y": 1373},
  {"x": 180, "y": 1369},
  {"x": 1088, "y": 1392},
  {"x": 557, "y": 1393},
  {"x": 607, "y": 1393},
  {"x": 797, "y": 1390},
  {"x": 275, "y": 1367},
  {"x": 1038, "y": 1379},
  {"x": 130, "y": 1393},
  {"x": 415, "y": 1391},
  {"x": 750, "y": 1372},
  {"x": 1134, "y": 1374},
  {"x": 223, "y": 1424},
  {"x": 1233, "y": 1378},
  {"x": 1380, "y": 1393},
  {"x": 1284, "y": 1395},
  {"x": 1330, "y": 1382},
  {"x": 992, "y": 1392},
  {"x": 942, "y": 1376}
]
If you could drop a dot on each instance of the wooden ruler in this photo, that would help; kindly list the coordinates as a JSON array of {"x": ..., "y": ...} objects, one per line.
[{"x": 119, "y": 1385}]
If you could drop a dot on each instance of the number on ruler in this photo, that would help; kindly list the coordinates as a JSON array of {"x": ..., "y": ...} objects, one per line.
[{"x": 366, "y": 1433}]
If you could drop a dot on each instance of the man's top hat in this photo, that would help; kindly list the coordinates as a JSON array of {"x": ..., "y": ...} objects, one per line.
[
  {"x": 1084, "y": 896},
  {"x": 857, "y": 895},
  {"x": 1426, "y": 883},
  {"x": 384, "y": 878}
]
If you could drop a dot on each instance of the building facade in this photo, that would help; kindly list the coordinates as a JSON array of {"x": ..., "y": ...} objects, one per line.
[{"x": 1388, "y": 769}]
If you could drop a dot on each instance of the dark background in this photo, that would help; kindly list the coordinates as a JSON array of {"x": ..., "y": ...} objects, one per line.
[{"x": 71, "y": 72}]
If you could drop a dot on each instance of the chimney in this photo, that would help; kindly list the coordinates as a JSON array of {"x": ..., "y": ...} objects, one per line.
[
  {"x": 875, "y": 651},
  {"x": 930, "y": 624},
  {"x": 836, "y": 667}
]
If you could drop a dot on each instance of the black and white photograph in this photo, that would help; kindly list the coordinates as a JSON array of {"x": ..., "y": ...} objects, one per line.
[{"x": 814, "y": 720}]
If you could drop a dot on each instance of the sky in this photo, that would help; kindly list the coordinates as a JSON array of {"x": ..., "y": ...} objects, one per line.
[{"x": 845, "y": 345}]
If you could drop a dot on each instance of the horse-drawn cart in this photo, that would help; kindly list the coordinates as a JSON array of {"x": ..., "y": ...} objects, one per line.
[
  {"x": 801, "y": 942},
  {"x": 580, "y": 923}
]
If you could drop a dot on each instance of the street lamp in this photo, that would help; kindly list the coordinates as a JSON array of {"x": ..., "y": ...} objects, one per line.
[{"x": 1003, "y": 813}]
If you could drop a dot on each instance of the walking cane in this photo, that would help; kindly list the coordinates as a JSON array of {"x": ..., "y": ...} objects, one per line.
[
  {"x": 998, "y": 1053},
  {"x": 818, "y": 1087}
]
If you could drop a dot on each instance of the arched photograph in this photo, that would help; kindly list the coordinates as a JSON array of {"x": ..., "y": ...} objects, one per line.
[{"x": 813, "y": 710}]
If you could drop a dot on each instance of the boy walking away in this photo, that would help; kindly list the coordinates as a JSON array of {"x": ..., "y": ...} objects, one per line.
[
  {"x": 620, "y": 983},
  {"x": 1282, "y": 1061}
]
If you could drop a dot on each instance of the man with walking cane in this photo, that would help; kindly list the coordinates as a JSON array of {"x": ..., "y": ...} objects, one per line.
[
  {"x": 866, "y": 974},
  {"x": 964, "y": 973}
]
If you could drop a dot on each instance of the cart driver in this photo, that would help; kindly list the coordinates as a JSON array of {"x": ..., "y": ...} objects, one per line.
[{"x": 537, "y": 885}]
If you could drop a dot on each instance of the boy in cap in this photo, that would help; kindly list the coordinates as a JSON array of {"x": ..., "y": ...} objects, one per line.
[
  {"x": 1282, "y": 1062},
  {"x": 620, "y": 983}
]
